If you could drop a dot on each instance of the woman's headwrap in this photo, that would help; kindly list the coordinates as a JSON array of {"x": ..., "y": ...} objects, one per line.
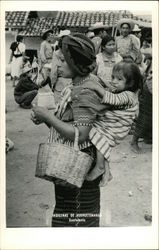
[{"x": 79, "y": 53}]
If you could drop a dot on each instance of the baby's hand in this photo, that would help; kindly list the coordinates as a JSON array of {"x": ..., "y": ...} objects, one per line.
[
  {"x": 91, "y": 86},
  {"x": 111, "y": 88}
]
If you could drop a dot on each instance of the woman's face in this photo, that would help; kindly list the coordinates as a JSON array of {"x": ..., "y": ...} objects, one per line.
[
  {"x": 125, "y": 29},
  {"x": 63, "y": 68},
  {"x": 118, "y": 82},
  {"x": 110, "y": 47}
]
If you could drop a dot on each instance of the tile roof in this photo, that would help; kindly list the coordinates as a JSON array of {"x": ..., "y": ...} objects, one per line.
[
  {"x": 16, "y": 19},
  {"x": 66, "y": 19},
  {"x": 36, "y": 26},
  {"x": 86, "y": 18}
]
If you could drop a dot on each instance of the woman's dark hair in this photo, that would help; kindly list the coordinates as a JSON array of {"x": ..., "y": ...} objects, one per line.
[
  {"x": 106, "y": 39},
  {"x": 19, "y": 38},
  {"x": 132, "y": 74}
]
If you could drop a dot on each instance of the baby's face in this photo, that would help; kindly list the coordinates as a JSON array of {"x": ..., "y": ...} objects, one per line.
[{"x": 118, "y": 82}]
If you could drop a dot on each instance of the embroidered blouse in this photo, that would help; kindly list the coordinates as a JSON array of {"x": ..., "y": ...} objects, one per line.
[{"x": 82, "y": 109}]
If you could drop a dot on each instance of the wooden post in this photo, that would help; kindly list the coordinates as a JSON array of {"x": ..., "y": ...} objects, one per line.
[{"x": 113, "y": 31}]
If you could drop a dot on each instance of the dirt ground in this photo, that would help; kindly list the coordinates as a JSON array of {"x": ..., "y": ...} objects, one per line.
[{"x": 30, "y": 201}]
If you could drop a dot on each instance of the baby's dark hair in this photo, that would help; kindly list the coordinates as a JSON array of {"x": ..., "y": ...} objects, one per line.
[{"x": 132, "y": 74}]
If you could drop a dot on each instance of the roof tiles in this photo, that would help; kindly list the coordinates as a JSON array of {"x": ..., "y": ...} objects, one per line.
[
  {"x": 64, "y": 19},
  {"x": 16, "y": 19}
]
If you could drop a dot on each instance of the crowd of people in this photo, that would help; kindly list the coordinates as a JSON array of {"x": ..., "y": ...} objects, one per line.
[{"x": 103, "y": 86}]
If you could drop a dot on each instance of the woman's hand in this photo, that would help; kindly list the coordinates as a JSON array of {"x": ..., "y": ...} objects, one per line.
[
  {"x": 35, "y": 120},
  {"x": 40, "y": 115}
]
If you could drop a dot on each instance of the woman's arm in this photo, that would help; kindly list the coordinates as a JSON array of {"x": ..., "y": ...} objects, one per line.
[{"x": 65, "y": 129}]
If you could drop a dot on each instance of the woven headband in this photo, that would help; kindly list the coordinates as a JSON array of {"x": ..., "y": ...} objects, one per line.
[
  {"x": 83, "y": 47},
  {"x": 81, "y": 41}
]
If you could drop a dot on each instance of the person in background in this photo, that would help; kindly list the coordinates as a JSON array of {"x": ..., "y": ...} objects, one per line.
[
  {"x": 57, "y": 81},
  {"x": 26, "y": 89},
  {"x": 25, "y": 61},
  {"x": 106, "y": 60},
  {"x": 16, "y": 58},
  {"x": 137, "y": 32},
  {"x": 146, "y": 48},
  {"x": 143, "y": 125},
  {"x": 46, "y": 53},
  {"x": 99, "y": 32},
  {"x": 127, "y": 44}
]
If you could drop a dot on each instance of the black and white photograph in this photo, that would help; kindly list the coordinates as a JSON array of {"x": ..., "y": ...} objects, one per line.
[{"x": 79, "y": 141}]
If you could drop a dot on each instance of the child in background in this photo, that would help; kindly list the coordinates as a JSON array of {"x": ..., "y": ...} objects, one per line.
[{"x": 114, "y": 125}]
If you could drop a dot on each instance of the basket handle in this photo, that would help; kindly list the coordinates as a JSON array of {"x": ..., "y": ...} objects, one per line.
[{"x": 76, "y": 147}]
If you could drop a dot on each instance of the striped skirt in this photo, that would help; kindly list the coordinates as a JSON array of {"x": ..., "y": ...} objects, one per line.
[{"x": 77, "y": 207}]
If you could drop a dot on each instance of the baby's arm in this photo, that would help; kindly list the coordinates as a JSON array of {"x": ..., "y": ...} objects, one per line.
[
  {"x": 117, "y": 99},
  {"x": 96, "y": 87},
  {"x": 123, "y": 98}
]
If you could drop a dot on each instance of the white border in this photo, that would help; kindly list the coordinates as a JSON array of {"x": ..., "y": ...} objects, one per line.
[{"x": 90, "y": 238}]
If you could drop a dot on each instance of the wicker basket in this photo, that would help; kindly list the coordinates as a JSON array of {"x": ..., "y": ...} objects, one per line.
[{"x": 63, "y": 162}]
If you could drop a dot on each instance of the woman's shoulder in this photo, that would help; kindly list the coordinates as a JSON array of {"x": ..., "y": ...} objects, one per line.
[
  {"x": 93, "y": 78},
  {"x": 86, "y": 95}
]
